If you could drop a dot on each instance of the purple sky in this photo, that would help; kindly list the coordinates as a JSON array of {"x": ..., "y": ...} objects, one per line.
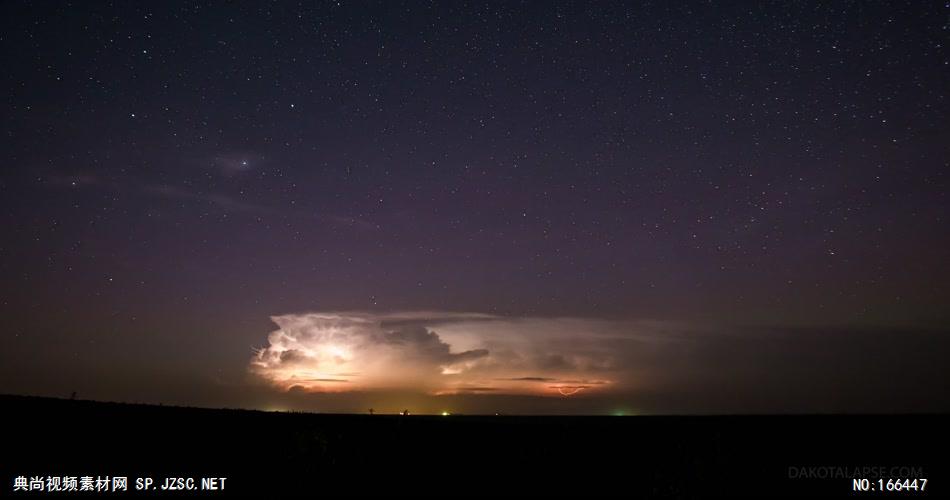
[{"x": 674, "y": 208}]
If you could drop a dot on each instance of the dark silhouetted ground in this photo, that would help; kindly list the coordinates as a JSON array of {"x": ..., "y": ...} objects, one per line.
[{"x": 318, "y": 455}]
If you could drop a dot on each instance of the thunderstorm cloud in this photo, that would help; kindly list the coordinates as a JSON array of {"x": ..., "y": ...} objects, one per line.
[
  {"x": 435, "y": 352},
  {"x": 681, "y": 366}
]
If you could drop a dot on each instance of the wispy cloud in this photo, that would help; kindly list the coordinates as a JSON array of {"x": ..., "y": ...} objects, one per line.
[
  {"x": 231, "y": 164},
  {"x": 224, "y": 202},
  {"x": 220, "y": 201}
]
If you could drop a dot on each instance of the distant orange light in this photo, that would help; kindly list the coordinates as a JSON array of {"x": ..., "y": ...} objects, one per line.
[{"x": 569, "y": 391}]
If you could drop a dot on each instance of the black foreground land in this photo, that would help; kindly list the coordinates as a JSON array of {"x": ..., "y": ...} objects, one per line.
[{"x": 274, "y": 454}]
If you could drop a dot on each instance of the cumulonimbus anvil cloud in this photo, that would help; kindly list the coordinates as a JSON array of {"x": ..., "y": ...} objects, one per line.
[
  {"x": 659, "y": 364},
  {"x": 439, "y": 353}
]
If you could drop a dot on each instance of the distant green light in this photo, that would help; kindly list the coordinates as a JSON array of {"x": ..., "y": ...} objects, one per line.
[{"x": 445, "y": 414}]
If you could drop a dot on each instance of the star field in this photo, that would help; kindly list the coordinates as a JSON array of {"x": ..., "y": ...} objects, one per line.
[{"x": 176, "y": 174}]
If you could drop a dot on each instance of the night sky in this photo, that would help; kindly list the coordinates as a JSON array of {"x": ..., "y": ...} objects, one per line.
[{"x": 476, "y": 207}]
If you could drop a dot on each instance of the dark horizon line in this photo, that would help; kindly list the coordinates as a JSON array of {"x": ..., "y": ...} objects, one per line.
[{"x": 650, "y": 416}]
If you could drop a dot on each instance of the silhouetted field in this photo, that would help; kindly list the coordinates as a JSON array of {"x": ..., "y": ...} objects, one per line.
[{"x": 318, "y": 455}]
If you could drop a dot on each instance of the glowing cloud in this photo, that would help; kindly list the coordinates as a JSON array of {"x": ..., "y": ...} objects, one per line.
[
  {"x": 438, "y": 353},
  {"x": 653, "y": 364}
]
